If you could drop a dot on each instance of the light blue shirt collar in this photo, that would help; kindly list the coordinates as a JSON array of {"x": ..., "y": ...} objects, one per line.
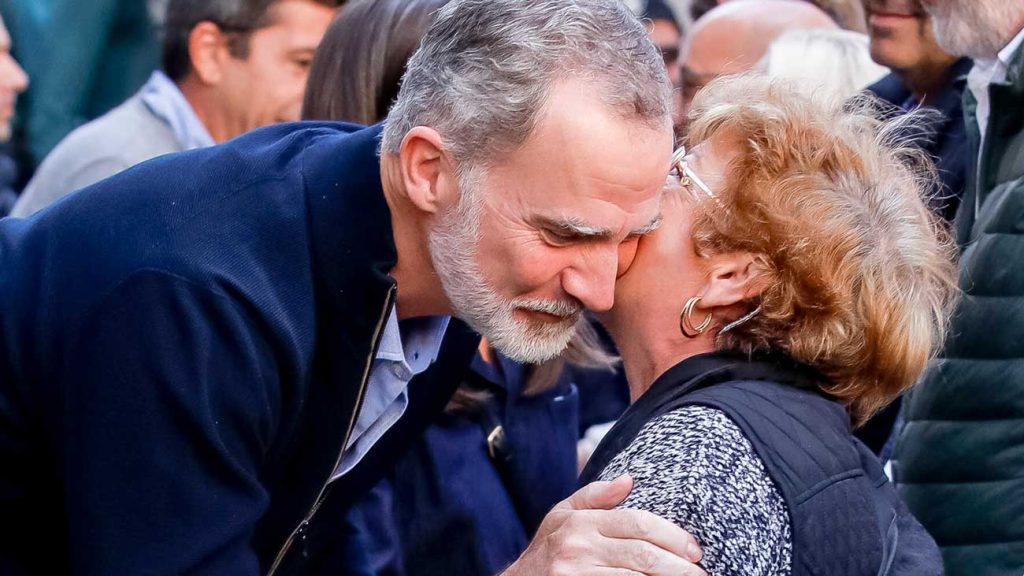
[
  {"x": 414, "y": 342},
  {"x": 165, "y": 100},
  {"x": 407, "y": 348}
]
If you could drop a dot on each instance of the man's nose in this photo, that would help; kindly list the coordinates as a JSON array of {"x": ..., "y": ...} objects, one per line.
[{"x": 593, "y": 281}]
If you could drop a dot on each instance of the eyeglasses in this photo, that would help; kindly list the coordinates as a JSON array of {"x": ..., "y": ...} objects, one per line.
[{"x": 687, "y": 179}]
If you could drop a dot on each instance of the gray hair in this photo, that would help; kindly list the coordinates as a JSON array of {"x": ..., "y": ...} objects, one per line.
[{"x": 485, "y": 68}]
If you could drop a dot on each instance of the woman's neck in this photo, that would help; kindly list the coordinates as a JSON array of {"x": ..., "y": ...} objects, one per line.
[{"x": 647, "y": 354}]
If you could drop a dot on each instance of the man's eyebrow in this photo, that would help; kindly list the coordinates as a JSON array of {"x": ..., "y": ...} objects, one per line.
[
  {"x": 574, "y": 227},
  {"x": 647, "y": 228}
]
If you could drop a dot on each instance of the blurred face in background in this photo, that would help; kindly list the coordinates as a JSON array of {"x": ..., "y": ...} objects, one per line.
[
  {"x": 666, "y": 37},
  {"x": 13, "y": 81},
  {"x": 901, "y": 35},
  {"x": 267, "y": 85}
]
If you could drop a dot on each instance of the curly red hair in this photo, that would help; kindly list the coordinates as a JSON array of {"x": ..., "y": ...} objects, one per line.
[{"x": 862, "y": 276}]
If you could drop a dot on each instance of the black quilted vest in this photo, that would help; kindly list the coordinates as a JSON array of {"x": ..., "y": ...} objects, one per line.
[{"x": 845, "y": 516}]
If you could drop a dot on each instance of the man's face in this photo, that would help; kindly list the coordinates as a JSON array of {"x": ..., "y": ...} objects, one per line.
[
  {"x": 975, "y": 28},
  {"x": 543, "y": 232},
  {"x": 13, "y": 81},
  {"x": 901, "y": 34},
  {"x": 267, "y": 86}
]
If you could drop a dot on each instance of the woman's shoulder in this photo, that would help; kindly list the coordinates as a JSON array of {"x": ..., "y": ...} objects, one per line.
[
  {"x": 688, "y": 436},
  {"x": 694, "y": 466}
]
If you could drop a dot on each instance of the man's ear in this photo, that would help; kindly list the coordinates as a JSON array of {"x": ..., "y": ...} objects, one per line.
[
  {"x": 208, "y": 51},
  {"x": 427, "y": 171},
  {"x": 733, "y": 278}
]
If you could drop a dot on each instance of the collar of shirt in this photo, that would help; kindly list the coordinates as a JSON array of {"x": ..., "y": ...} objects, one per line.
[
  {"x": 413, "y": 343},
  {"x": 989, "y": 71},
  {"x": 165, "y": 100},
  {"x": 407, "y": 348}
]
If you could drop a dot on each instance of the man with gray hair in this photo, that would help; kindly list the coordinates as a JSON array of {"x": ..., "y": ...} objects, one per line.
[
  {"x": 206, "y": 359},
  {"x": 733, "y": 37},
  {"x": 958, "y": 457}
]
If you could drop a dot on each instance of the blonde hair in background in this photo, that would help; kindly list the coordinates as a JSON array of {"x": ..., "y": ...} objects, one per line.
[
  {"x": 835, "y": 60},
  {"x": 861, "y": 273}
]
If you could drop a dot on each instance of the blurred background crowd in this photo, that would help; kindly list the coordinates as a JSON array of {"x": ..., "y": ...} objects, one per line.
[{"x": 88, "y": 89}]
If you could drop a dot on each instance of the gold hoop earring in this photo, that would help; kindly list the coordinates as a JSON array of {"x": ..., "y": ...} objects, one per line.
[{"x": 686, "y": 325}]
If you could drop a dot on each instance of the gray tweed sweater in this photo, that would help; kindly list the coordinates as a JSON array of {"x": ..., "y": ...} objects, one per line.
[{"x": 693, "y": 466}]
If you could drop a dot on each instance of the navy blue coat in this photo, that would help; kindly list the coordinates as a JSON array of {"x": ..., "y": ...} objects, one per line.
[{"x": 183, "y": 350}]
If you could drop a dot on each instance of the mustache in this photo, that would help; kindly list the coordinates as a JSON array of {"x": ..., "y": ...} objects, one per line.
[
  {"x": 896, "y": 7},
  {"x": 562, "y": 308}
]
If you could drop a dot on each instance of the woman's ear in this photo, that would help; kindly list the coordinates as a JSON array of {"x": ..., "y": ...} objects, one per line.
[
  {"x": 427, "y": 173},
  {"x": 734, "y": 277}
]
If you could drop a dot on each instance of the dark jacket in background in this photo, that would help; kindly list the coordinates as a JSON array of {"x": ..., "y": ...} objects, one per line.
[
  {"x": 183, "y": 351},
  {"x": 468, "y": 497},
  {"x": 945, "y": 140},
  {"x": 8, "y": 181},
  {"x": 959, "y": 458}
]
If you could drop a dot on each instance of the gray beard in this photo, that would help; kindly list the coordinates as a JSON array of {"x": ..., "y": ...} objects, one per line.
[{"x": 452, "y": 243}]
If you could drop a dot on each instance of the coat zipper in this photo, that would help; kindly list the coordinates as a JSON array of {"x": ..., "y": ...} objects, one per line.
[{"x": 300, "y": 530}]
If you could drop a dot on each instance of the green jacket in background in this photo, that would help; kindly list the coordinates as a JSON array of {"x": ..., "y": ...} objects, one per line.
[
  {"x": 959, "y": 459},
  {"x": 82, "y": 58}
]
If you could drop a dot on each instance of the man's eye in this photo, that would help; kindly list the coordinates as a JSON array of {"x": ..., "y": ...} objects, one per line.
[{"x": 557, "y": 238}]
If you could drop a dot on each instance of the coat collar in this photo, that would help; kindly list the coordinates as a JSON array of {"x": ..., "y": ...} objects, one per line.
[{"x": 350, "y": 226}]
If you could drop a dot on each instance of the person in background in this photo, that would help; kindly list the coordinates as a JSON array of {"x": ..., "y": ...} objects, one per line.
[
  {"x": 13, "y": 81},
  {"x": 923, "y": 75},
  {"x": 84, "y": 58},
  {"x": 733, "y": 37},
  {"x": 472, "y": 491},
  {"x": 848, "y": 14},
  {"x": 836, "y": 61},
  {"x": 957, "y": 459},
  {"x": 228, "y": 66},
  {"x": 666, "y": 33}
]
